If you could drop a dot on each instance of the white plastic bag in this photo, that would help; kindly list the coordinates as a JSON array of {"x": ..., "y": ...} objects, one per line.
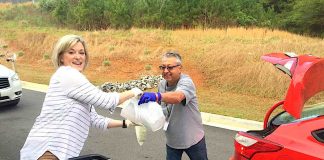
[{"x": 148, "y": 114}]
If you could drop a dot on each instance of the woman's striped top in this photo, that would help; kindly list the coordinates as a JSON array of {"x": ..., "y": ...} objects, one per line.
[{"x": 66, "y": 116}]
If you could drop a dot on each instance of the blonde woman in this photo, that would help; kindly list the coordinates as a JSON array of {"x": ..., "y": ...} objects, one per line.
[{"x": 68, "y": 111}]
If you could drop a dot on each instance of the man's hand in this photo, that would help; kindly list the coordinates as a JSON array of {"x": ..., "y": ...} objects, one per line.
[{"x": 150, "y": 97}]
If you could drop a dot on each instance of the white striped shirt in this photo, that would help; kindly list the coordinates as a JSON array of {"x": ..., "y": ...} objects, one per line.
[{"x": 66, "y": 116}]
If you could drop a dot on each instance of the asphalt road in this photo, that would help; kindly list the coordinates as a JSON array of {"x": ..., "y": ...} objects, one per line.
[{"x": 117, "y": 143}]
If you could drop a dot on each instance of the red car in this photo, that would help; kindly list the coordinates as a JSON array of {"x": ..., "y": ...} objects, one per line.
[{"x": 297, "y": 133}]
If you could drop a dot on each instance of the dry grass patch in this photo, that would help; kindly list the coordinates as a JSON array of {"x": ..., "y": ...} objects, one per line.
[{"x": 224, "y": 64}]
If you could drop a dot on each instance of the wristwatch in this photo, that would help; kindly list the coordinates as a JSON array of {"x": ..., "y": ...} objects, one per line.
[{"x": 124, "y": 124}]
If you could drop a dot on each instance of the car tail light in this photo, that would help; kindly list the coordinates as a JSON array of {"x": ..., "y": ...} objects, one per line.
[{"x": 247, "y": 145}]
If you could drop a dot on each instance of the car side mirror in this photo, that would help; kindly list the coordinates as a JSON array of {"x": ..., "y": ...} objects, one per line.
[{"x": 12, "y": 58}]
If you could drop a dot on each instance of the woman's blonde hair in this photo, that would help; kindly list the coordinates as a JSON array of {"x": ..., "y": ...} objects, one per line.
[{"x": 64, "y": 44}]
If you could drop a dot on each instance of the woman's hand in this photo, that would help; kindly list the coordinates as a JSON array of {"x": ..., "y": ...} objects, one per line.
[{"x": 137, "y": 92}]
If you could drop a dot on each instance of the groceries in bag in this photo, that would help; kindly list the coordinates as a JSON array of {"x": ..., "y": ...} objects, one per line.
[
  {"x": 140, "y": 132},
  {"x": 148, "y": 114}
]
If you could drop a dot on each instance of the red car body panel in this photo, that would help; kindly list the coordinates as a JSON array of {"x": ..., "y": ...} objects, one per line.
[
  {"x": 292, "y": 139},
  {"x": 305, "y": 72},
  {"x": 297, "y": 139},
  {"x": 285, "y": 155}
]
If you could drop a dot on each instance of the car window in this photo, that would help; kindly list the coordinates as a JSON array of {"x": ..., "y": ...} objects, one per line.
[{"x": 308, "y": 113}]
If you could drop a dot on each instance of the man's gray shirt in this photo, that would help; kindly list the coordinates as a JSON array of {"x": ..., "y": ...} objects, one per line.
[{"x": 185, "y": 125}]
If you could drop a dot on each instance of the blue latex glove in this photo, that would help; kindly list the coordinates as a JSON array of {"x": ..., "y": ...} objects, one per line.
[{"x": 150, "y": 97}]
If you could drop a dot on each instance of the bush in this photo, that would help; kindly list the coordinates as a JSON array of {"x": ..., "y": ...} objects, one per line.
[
  {"x": 4, "y": 46},
  {"x": 111, "y": 48},
  {"x": 147, "y": 52},
  {"x": 20, "y": 53},
  {"x": 47, "y": 5},
  {"x": 106, "y": 62},
  {"x": 148, "y": 67},
  {"x": 46, "y": 56}
]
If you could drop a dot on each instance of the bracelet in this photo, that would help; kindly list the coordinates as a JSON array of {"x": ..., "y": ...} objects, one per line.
[
  {"x": 156, "y": 97},
  {"x": 159, "y": 97},
  {"x": 124, "y": 124}
]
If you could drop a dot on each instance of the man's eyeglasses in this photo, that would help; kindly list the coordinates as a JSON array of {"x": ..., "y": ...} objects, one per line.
[{"x": 169, "y": 68}]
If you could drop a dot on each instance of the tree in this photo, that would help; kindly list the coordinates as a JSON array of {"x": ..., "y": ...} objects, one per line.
[
  {"x": 120, "y": 13},
  {"x": 307, "y": 17},
  {"x": 278, "y": 6}
]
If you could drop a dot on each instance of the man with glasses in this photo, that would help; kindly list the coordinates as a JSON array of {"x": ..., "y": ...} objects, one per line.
[{"x": 177, "y": 95}]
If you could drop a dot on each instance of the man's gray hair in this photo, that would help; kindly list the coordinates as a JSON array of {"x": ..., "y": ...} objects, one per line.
[{"x": 172, "y": 54}]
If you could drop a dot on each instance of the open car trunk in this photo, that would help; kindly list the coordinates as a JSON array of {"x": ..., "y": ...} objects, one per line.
[{"x": 305, "y": 72}]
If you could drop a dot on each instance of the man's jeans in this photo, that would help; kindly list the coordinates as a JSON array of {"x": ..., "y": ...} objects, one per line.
[{"x": 195, "y": 152}]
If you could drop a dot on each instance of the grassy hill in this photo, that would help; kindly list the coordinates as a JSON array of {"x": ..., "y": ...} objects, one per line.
[{"x": 225, "y": 64}]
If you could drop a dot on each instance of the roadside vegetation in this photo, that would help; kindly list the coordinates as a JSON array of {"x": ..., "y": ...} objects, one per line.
[{"x": 224, "y": 62}]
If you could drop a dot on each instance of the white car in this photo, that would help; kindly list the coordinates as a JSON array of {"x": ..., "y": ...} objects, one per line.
[{"x": 10, "y": 84}]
